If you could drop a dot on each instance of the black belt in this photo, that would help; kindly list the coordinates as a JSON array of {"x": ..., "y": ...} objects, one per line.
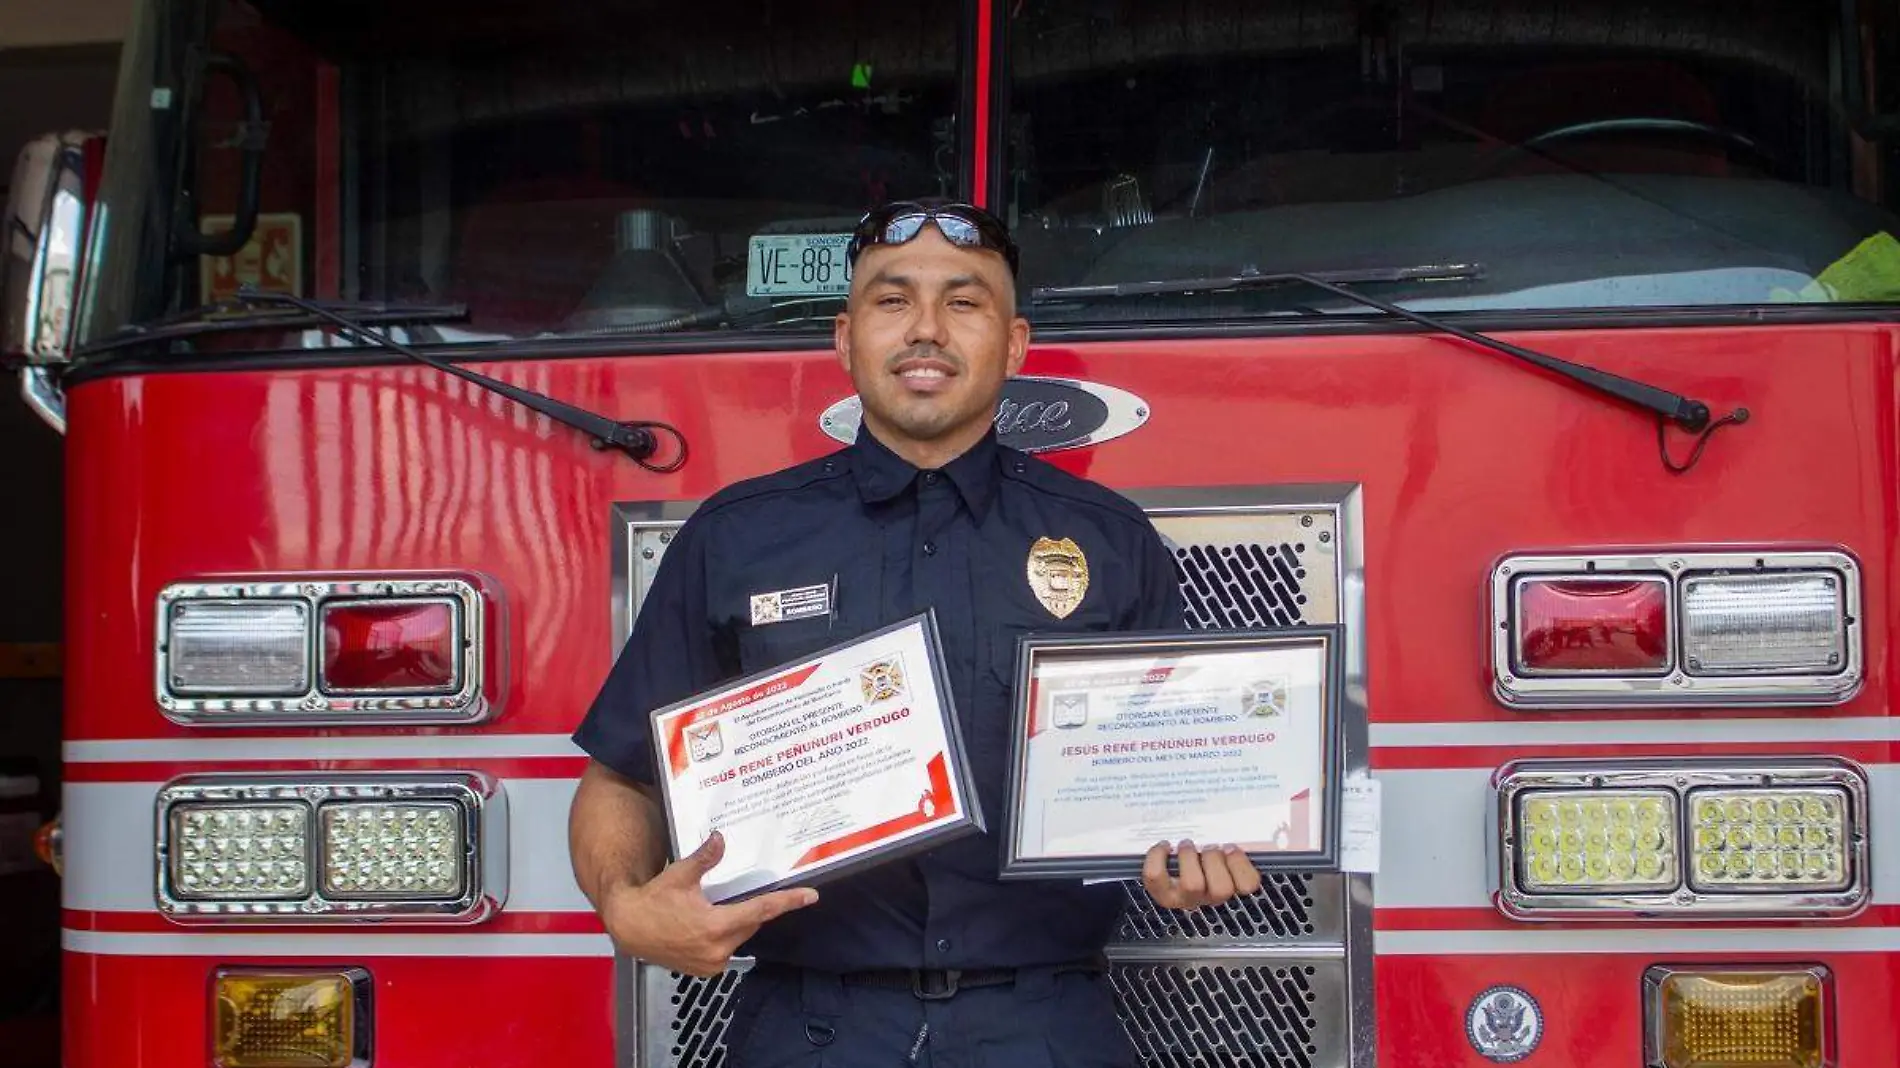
[{"x": 940, "y": 984}]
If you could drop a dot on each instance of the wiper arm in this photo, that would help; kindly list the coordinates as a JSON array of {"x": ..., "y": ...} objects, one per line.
[
  {"x": 636, "y": 439},
  {"x": 1689, "y": 414},
  {"x": 231, "y": 316},
  {"x": 1454, "y": 272}
]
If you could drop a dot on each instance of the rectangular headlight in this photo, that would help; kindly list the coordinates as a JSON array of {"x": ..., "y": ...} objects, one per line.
[
  {"x": 374, "y": 851},
  {"x": 1724, "y": 1016},
  {"x": 1694, "y": 837},
  {"x": 1581, "y": 841},
  {"x": 422, "y": 846},
  {"x": 249, "y": 648},
  {"x": 240, "y": 852},
  {"x": 1763, "y": 624},
  {"x": 1752, "y": 839}
]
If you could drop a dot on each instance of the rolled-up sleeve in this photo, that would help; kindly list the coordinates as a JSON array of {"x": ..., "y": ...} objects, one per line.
[{"x": 671, "y": 654}]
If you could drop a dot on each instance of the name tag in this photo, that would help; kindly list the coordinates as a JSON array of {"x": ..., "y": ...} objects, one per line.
[{"x": 787, "y": 605}]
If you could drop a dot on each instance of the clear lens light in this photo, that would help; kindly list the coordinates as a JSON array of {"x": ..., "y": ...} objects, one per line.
[
  {"x": 1580, "y": 840},
  {"x": 376, "y": 849},
  {"x": 1762, "y": 623},
  {"x": 261, "y": 647},
  {"x": 240, "y": 852},
  {"x": 1769, "y": 839}
]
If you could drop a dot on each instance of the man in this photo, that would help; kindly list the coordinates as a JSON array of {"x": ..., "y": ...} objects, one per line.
[{"x": 932, "y": 960}]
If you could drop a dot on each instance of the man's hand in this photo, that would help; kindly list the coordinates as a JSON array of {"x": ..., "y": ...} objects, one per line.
[
  {"x": 1208, "y": 876},
  {"x": 669, "y": 921}
]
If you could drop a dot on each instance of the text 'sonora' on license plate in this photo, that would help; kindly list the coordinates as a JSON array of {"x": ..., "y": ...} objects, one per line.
[{"x": 798, "y": 265}]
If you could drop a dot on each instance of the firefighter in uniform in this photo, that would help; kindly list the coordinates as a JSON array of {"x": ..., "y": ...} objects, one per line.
[{"x": 929, "y": 960}]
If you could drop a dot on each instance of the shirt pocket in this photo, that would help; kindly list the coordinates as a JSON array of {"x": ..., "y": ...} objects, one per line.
[{"x": 767, "y": 645}]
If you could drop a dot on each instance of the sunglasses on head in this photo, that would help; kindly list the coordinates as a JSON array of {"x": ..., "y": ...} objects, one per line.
[{"x": 963, "y": 225}]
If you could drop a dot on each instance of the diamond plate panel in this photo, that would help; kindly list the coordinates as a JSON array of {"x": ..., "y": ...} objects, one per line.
[
  {"x": 685, "y": 1018},
  {"x": 1288, "y": 908},
  {"x": 1200, "y": 1014}
]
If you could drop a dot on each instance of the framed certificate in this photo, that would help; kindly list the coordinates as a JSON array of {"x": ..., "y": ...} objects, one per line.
[
  {"x": 818, "y": 767},
  {"x": 1120, "y": 741}
]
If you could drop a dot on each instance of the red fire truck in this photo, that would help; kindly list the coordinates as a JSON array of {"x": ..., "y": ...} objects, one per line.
[{"x": 1549, "y": 349}]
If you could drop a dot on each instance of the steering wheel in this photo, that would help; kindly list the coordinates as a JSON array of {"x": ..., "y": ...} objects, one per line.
[{"x": 1672, "y": 127}]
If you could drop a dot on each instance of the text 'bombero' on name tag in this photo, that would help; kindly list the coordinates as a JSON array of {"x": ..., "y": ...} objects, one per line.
[{"x": 786, "y": 605}]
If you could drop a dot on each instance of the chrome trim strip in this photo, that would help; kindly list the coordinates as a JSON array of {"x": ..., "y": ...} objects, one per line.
[
  {"x": 468, "y": 703},
  {"x": 1153, "y": 953},
  {"x": 1680, "y": 686},
  {"x": 43, "y": 395},
  {"x": 1678, "y": 776},
  {"x": 480, "y": 799}
]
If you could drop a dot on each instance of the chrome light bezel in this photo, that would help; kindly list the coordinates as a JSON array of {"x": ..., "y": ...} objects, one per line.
[
  {"x": 1680, "y": 777},
  {"x": 469, "y": 702},
  {"x": 1682, "y": 685},
  {"x": 483, "y": 809}
]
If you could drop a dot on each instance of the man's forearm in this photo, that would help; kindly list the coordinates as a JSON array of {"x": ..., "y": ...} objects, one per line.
[{"x": 615, "y": 834}]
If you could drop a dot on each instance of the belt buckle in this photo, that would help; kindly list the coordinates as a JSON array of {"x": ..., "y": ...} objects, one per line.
[{"x": 922, "y": 990}]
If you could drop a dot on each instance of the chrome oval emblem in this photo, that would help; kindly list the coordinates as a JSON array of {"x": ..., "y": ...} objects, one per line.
[{"x": 1035, "y": 414}]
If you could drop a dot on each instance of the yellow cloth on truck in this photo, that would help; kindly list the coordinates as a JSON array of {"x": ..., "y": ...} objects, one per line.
[{"x": 1871, "y": 271}]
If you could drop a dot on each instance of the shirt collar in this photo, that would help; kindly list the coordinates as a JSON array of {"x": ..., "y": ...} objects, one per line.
[{"x": 882, "y": 474}]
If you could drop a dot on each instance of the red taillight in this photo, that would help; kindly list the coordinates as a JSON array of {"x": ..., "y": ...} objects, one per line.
[
  {"x": 390, "y": 646},
  {"x": 1593, "y": 624}
]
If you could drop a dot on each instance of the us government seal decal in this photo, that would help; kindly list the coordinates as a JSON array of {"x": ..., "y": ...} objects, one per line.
[
  {"x": 1059, "y": 575},
  {"x": 1504, "y": 1024}
]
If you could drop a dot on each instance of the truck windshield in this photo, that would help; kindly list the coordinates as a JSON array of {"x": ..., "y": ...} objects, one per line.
[
  {"x": 583, "y": 168},
  {"x": 562, "y": 167},
  {"x": 1665, "y": 154}
]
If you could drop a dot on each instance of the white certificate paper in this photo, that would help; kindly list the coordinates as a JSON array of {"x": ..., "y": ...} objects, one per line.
[
  {"x": 824, "y": 765},
  {"x": 1121, "y": 748}
]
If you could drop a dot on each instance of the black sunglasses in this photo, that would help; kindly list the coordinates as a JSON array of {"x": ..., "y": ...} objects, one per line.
[{"x": 963, "y": 225}]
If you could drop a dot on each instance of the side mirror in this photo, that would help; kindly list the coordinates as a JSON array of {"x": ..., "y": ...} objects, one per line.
[{"x": 41, "y": 254}]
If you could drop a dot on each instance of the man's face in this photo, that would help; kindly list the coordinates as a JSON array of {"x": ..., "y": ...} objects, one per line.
[{"x": 928, "y": 337}]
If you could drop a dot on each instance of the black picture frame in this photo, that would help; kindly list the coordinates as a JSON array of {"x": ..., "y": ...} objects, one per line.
[
  {"x": 971, "y": 821},
  {"x": 1328, "y": 640}
]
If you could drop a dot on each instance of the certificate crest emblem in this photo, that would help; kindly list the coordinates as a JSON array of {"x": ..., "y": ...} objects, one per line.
[
  {"x": 881, "y": 680},
  {"x": 1069, "y": 710},
  {"x": 1266, "y": 699},
  {"x": 1059, "y": 575},
  {"x": 704, "y": 742}
]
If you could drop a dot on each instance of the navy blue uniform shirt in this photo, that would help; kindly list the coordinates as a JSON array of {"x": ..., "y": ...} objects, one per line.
[{"x": 894, "y": 541}]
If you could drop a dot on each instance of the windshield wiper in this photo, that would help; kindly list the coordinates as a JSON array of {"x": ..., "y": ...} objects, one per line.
[
  {"x": 636, "y": 439},
  {"x": 1451, "y": 272},
  {"x": 231, "y": 316},
  {"x": 1689, "y": 414}
]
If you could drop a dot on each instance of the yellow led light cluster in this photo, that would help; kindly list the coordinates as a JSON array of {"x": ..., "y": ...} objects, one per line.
[
  {"x": 1600, "y": 840},
  {"x": 1651, "y": 837},
  {"x": 1738, "y": 1017},
  {"x": 290, "y": 1019},
  {"x": 1769, "y": 838}
]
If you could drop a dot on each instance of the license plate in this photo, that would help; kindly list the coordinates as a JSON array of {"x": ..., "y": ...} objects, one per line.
[{"x": 798, "y": 265}]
